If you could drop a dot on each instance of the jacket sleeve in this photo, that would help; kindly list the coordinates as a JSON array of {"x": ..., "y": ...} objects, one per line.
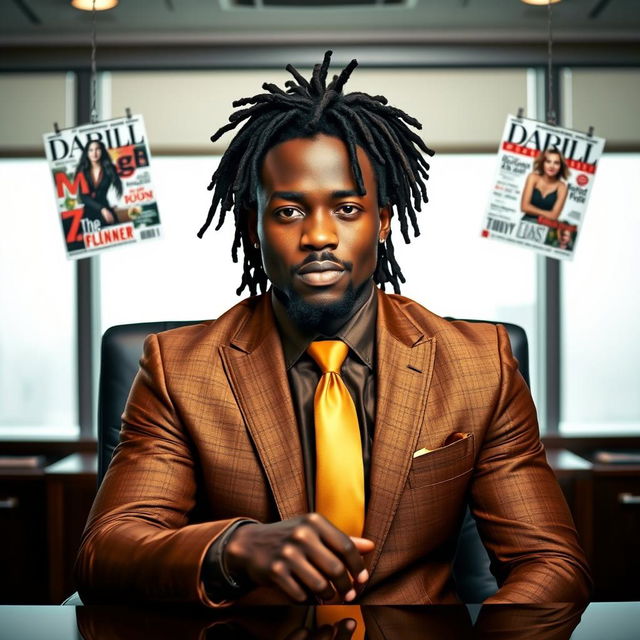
[
  {"x": 138, "y": 544},
  {"x": 521, "y": 512}
]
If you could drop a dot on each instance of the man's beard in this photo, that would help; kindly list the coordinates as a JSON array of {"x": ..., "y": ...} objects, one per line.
[{"x": 324, "y": 318}]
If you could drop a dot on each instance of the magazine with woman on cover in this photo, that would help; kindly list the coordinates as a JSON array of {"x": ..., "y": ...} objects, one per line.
[
  {"x": 103, "y": 188},
  {"x": 543, "y": 182}
]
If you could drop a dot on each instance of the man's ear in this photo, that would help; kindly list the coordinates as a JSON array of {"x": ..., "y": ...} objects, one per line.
[{"x": 385, "y": 223}]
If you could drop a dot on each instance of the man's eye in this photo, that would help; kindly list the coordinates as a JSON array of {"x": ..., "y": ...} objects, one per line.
[
  {"x": 347, "y": 209},
  {"x": 288, "y": 212}
]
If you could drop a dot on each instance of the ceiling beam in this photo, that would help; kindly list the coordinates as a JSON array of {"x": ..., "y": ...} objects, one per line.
[{"x": 131, "y": 58}]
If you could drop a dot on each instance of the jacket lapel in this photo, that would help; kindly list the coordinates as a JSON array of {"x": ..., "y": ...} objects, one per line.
[
  {"x": 404, "y": 366},
  {"x": 255, "y": 367}
]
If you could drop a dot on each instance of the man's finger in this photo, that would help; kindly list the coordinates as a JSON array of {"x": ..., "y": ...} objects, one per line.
[
  {"x": 281, "y": 577},
  {"x": 309, "y": 576},
  {"x": 363, "y": 545},
  {"x": 341, "y": 544},
  {"x": 331, "y": 566}
]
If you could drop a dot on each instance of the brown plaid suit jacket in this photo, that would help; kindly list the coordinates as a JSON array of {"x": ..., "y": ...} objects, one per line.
[{"x": 209, "y": 436}]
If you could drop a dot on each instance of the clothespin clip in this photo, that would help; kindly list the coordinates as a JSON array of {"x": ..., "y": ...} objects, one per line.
[
  {"x": 590, "y": 131},
  {"x": 520, "y": 113},
  {"x": 56, "y": 128},
  {"x": 128, "y": 112}
]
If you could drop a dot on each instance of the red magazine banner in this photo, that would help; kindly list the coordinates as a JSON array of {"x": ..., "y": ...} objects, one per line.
[
  {"x": 544, "y": 178},
  {"x": 103, "y": 188},
  {"x": 578, "y": 165}
]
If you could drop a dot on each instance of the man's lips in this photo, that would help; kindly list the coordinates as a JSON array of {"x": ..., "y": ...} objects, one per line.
[
  {"x": 321, "y": 273},
  {"x": 320, "y": 265}
]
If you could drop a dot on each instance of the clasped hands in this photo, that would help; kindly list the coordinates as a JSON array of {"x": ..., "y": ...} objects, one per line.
[{"x": 302, "y": 556}]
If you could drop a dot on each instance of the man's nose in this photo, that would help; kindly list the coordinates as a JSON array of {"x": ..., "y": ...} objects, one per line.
[{"x": 319, "y": 231}]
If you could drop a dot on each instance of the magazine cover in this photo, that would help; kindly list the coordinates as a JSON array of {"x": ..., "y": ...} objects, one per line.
[
  {"x": 544, "y": 179},
  {"x": 102, "y": 180}
]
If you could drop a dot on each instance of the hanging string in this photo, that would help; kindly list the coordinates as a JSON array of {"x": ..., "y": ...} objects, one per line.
[
  {"x": 94, "y": 75},
  {"x": 551, "y": 114}
]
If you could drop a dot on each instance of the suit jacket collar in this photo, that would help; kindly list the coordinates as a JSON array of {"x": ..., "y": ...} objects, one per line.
[
  {"x": 405, "y": 357},
  {"x": 260, "y": 322},
  {"x": 255, "y": 365}
]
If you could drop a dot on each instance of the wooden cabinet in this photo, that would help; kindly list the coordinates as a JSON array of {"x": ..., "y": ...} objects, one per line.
[
  {"x": 43, "y": 511},
  {"x": 23, "y": 555},
  {"x": 616, "y": 532}
]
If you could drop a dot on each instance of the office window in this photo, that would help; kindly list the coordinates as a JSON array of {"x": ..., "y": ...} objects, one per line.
[
  {"x": 179, "y": 276},
  {"x": 601, "y": 307},
  {"x": 38, "y": 387},
  {"x": 452, "y": 270}
]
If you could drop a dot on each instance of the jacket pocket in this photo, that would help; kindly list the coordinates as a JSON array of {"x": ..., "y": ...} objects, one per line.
[{"x": 443, "y": 464}]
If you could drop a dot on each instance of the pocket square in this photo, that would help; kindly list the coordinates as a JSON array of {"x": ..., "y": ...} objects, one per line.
[
  {"x": 454, "y": 437},
  {"x": 450, "y": 439}
]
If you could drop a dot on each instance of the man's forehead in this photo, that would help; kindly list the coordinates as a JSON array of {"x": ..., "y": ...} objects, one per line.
[{"x": 301, "y": 164}]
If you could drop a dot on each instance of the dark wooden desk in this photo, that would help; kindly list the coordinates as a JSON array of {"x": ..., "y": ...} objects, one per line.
[
  {"x": 23, "y": 530},
  {"x": 610, "y": 620}
]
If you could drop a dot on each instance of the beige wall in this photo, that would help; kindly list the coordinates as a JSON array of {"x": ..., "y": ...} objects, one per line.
[
  {"x": 459, "y": 109},
  {"x": 183, "y": 109},
  {"x": 608, "y": 100},
  {"x": 29, "y": 105}
]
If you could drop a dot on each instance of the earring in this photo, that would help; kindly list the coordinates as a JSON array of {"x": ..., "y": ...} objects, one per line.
[
  {"x": 256, "y": 245},
  {"x": 381, "y": 240}
]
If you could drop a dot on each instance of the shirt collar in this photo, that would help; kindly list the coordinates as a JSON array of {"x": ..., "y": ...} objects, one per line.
[{"x": 358, "y": 332}]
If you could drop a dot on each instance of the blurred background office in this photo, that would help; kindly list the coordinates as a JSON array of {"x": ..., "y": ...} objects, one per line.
[{"x": 459, "y": 66}]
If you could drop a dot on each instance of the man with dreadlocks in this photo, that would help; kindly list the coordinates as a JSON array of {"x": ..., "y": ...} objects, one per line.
[{"x": 321, "y": 440}]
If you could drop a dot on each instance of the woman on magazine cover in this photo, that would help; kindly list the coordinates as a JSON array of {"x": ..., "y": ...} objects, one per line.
[
  {"x": 545, "y": 190},
  {"x": 100, "y": 173}
]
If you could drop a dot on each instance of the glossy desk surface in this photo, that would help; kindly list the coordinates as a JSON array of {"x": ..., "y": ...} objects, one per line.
[{"x": 600, "y": 621}]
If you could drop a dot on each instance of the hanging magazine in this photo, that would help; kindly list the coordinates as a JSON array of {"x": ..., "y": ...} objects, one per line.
[
  {"x": 102, "y": 180},
  {"x": 544, "y": 179}
]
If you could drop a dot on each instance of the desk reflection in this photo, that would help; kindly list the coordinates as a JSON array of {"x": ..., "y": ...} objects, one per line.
[{"x": 545, "y": 622}]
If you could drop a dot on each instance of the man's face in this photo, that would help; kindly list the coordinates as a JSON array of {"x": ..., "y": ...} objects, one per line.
[{"x": 318, "y": 238}]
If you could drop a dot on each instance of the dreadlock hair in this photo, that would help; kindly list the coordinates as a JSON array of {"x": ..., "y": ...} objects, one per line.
[{"x": 307, "y": 108}]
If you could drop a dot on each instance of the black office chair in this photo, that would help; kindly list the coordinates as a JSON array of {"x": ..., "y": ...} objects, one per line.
[{"x": 121, "y": 349}]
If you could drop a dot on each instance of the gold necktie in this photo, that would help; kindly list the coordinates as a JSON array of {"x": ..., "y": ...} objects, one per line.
[{"x": 339, "y": 466}]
